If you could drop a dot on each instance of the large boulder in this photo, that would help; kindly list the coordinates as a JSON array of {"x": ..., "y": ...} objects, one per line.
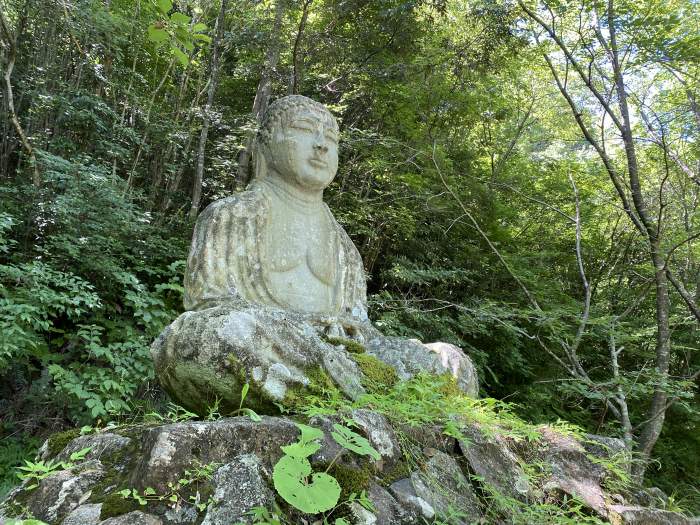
[{"x": 205, "y": 358}]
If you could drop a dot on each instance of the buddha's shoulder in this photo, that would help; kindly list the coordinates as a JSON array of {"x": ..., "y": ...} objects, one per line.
[{"x": 245, "y": 205}]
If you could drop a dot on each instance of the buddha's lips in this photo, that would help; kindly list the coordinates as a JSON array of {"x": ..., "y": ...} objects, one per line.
[{"x": 318, "y": 162}]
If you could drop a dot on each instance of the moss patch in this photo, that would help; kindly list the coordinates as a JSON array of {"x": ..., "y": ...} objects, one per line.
[
  {"x": 321, "y": 387},
  {"x": 449, "y": 387},
  {"x": 351, "y": 346},
  {"x": 401, "y": 470},
  {"x": 351, "y": 480},
  {"x": 58, "y": 441},
  {"x": 378, "y": 376},
  {"x": 116, "y": 505}
]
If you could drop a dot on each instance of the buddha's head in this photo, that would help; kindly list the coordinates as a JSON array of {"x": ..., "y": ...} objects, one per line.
[{"x": 298, "y": 142}]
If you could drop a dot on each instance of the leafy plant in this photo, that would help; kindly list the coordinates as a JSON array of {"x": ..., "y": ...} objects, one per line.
[
  {"x": 247, "y": 411},
  {"x": 175, "y": 29},
  {"x": 39, "y": 470},
  {"x": 193, "y": 476},
  {"x": 316, "y": 492}
]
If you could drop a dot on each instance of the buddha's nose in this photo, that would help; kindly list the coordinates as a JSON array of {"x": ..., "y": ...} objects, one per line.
[{"x": 320, "y": 147}]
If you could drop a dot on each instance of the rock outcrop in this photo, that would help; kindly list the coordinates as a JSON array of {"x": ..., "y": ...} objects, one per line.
[{"x": 218, "y": 472}]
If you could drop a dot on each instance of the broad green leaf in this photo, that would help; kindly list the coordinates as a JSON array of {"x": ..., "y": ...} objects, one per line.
[
  {"x": 182, "y": 57},
  {"x": 199, "y": 27},
  {"x": 203, "y": 38},
  {"x": 346, "y": 438},
  {"x": 342, "y": 521},
  {"x": 80, "y": 454},
  {"x": 319, "y": 494},
  {"x": 301, "y": 450},
  {"x": 156, "y": 34},
  {"x": 165, "y": 6},
  {"x": 180, "y": 18},
  {"x": 244, "y": 392},
  {"x": 308, "y": 433}
]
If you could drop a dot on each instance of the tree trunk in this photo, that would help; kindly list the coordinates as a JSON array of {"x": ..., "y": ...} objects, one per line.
[
  {"x": 262, "y": 95},
  {"x": 213, "y": 80},
  {"x": 295, "y": 79},
  {"x": 11, "y": 44}
]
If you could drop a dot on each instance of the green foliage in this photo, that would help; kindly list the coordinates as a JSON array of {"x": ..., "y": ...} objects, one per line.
[
  {"x": 89, "y": 327},
  {"x": 13, "y": 451},
  {"x": 36, "y": 471},
  {"x": 191, "y": 478},
  {"x": 308, "y": 491},
  {"x": 350, "y": 440},
  {"x": 175, "y": 29},
  {"x": 25, "y": 522},
  {"x": 111, "y": 96},
  {"x": 568, "y": 511}
]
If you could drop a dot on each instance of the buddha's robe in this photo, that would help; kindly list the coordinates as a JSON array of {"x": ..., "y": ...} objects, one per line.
[{"x": 231, "y": 260}]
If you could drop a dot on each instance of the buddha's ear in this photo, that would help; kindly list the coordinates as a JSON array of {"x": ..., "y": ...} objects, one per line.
[{"x": 260, "y": 152}]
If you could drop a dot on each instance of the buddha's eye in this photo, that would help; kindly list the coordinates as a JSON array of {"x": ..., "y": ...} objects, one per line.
[
  {"x": 303, "y": 125},
  {"x": 332, "y": 137}
]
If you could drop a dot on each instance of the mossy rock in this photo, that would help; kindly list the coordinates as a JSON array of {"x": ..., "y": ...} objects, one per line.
[
  {"x": 58, "y": 441},
  {"x": 378, "y": 376},
  {"x": 350, "y": 345},
  {"x": 116, "y": 505},
  {"x": 400, "y": 471}
]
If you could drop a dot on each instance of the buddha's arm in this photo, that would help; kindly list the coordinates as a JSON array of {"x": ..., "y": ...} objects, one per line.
[{"x": 212, "y": 275}]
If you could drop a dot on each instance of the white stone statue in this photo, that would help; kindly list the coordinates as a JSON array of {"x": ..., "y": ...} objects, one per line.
[
  {"x": 271, "y": 275},
  {"x": 278, "y": 243}
]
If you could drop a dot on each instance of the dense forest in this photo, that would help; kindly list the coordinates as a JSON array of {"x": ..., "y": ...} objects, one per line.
[{"x": 522, "y": 179}]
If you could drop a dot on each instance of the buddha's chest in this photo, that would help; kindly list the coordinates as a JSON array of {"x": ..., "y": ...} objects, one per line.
[{"x": 301, "y": 254}]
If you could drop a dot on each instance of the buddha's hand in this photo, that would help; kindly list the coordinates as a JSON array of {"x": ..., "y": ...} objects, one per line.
[{"x": 345, "y": 327}]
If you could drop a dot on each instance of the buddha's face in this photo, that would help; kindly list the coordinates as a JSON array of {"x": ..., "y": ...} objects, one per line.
[{"x": 304, "y": 149}]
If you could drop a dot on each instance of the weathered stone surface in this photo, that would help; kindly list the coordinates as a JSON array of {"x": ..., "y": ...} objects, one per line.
[
  {"x": 651, "y": 497},
  {"x": 443, "y": 485},
  {"x": 242, "y": 453},
  {"x": 388, "y": 510},
  {"x": 454, "y": 360},
  {"x": 381, "y": 436},
  {"x": 634, "y": 515},
  {"x": 133, "y": 518},
  {"x": 87, "y": 514},
  {"x": 410, "y": 357},
  {"x": 210, "y": 354},
  {"x": 491, "y": 458},
  {"x": 61, "y": 492},
  {"x": 170, "y": 449},
  {"x": 100, "y": 445},
  {"x": 572, "y": 471},
  {"x": 405, "y": 493},
  {"x": 239, "y": 486}
]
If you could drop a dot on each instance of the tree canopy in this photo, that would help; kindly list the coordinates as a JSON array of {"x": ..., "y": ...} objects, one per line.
[{"x": 522, "y": 179}]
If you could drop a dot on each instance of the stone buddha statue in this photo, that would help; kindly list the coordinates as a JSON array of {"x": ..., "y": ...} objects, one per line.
[
  {"x": 278, "y": 243},
  {"x": 271, "y": 275}
]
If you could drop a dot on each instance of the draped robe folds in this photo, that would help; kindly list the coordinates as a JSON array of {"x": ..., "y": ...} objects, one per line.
[{"x": 229, "y": 263}]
